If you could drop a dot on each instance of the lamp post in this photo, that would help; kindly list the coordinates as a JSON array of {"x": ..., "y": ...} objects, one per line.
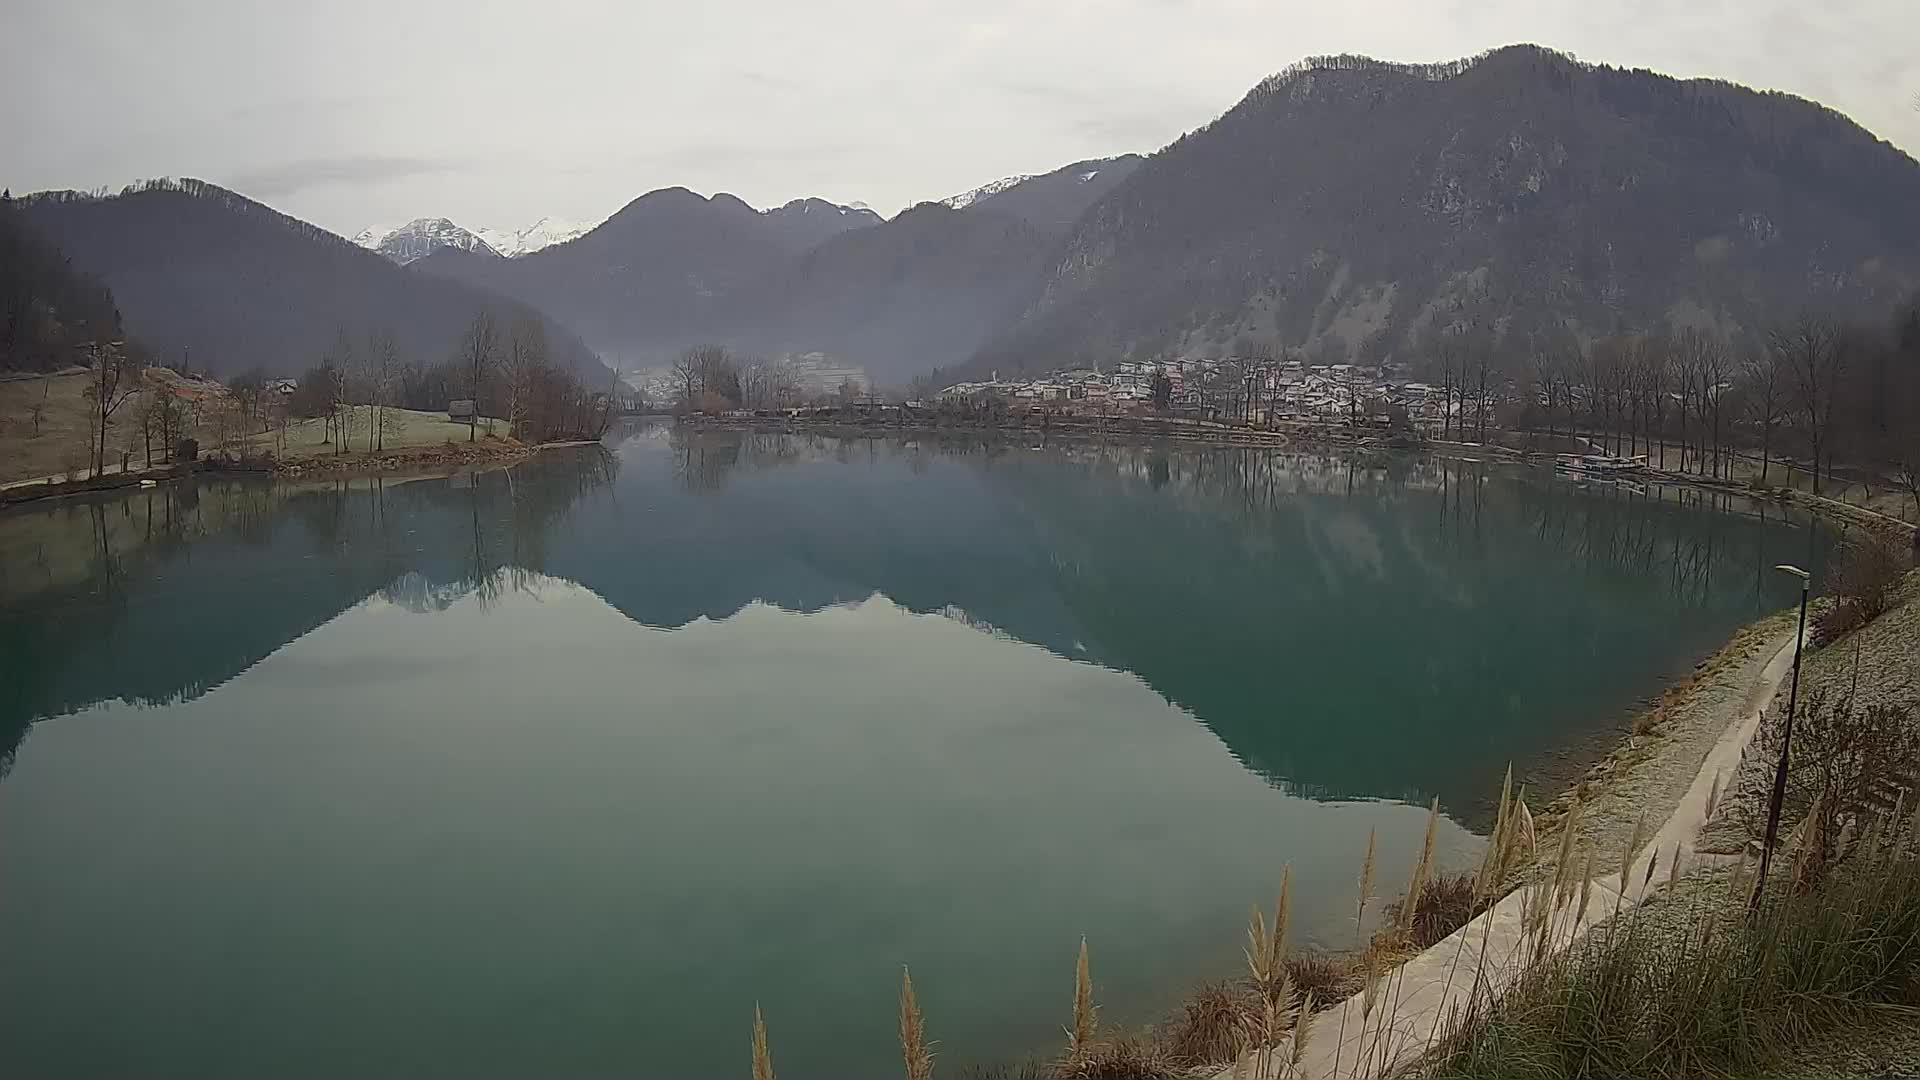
[{"x": 1786, "y": 741}]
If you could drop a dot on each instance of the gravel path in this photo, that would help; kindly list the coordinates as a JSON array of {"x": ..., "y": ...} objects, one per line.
[{"x": 1649, "y": 774}]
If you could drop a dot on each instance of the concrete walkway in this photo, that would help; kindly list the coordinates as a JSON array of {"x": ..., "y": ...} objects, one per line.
[{"x": 1414, "y": 1002}]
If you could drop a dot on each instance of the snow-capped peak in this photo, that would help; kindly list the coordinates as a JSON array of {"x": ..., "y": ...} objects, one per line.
[
  {"x": 419, "y": 238},
  {"x": 968, "y": 198},
  {"x": 544, "y": 233},
  {"x": 422, "y": 236}
]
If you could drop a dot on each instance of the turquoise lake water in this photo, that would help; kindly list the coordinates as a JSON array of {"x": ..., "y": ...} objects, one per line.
[{"x": 559, "y": 770}]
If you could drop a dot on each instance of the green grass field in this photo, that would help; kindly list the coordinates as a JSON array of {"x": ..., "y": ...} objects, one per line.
[{"x": 404, "y": 429}]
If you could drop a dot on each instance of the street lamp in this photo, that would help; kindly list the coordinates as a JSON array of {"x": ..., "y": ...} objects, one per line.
[{"x": 1786, "y": 740}]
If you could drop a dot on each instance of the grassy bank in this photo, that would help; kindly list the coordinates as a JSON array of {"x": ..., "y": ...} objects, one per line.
[
  {"x": 1694, "y": 985},
  {"x": 1690, "y": 986}
]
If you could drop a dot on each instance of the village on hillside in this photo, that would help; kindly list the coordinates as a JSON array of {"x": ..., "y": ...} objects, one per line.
[{"x": 1220, "y": 389}]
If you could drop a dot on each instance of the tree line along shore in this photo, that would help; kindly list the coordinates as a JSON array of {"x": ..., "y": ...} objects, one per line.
[{"x": 118, "y": 419}]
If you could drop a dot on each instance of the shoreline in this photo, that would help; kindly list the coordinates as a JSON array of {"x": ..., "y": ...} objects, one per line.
[
  {"x": 1134, "y": 429},
  {"x": 492, "y": 450},
  {"x": 1305, "y": 434},
  {"x": 1483, "y": 954},
  {"x": 495, "y": 453},
  {"x": 1667, "y": 742}
]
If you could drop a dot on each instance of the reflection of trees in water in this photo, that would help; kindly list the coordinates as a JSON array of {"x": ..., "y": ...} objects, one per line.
[
  {"x": 705, "y": 458},
  {"x": 1304, "y": 563},
  {"x": 1683, "y": 538},
  {"x": 1604, "y": 530},
  {"x": 186, "y": 586}
]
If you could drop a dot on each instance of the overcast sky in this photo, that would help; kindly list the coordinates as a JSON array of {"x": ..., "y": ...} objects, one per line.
[{"x": 346, "y": 112}]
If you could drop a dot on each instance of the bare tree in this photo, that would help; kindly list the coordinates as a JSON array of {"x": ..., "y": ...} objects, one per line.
[
  {"x": 358, "y": 374},
  {"x": 1815, "y": 361},
  {"x": 1715, "y": 381},
  {"x": 1448, "y": 354},
  {"x": 1766, "y": 391},
  {"x": 158, "y": 419},
  {"x": 526, "y": 357},
  {"x": 382, "y": 381},
  {"x": 764, "y": 383},
  {"x": 1547, "y": 377},
  {"x": 479, "y": 352},
  {"x": 114, "y": 377},
  {"x": 247, "y": 388},
  {"x": 336, "y": 366},
  {"x": 686, "y": 371},
  {"x": 715, "y": 377},
  {"x": 1704, "y": 369},
  {"x": 1657, "y": 375}
]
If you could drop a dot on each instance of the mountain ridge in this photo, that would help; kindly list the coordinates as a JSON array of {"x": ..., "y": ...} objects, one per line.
[
  {"x": 1520, "y": 192},
  {"x": 673, "y": 268},
  {"x": 236, "y": 284}
]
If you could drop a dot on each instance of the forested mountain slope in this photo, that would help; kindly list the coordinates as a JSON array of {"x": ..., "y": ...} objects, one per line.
[
  {"x": 1356, "y": 209},
  {"x": 48, "y": 309}
]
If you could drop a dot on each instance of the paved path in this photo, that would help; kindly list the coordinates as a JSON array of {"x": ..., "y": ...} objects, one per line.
[{"x": 1413, "y": 1004}]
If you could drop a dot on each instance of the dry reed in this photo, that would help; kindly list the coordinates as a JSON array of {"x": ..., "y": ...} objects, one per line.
[
  {"x": 1083, "y": 1010},
  {"x": 1366, "y": 881},
  {"x": 1421, "y": 868},
  {"x": 762, "y": 1061},
  {"x": 913, "y": 1032}
]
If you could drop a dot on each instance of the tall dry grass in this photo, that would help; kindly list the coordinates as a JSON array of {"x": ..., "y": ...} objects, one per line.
[
  {"x": 914, "y": 1049},
  {"x": 762, "y": 1061},
  {"x": 1715, "y": 993},
  {"x": 1084, "y": 1022}
]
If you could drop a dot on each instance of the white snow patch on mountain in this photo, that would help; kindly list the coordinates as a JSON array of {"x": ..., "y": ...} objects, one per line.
[
  {"x": 419, "y": 238},
  {"x": 1086, "y": 176},
  {"x": 544, "y": 233},
  {"x": 968, "y": 198}
]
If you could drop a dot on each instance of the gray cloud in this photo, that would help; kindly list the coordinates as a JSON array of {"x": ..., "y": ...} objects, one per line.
[
  {"x": 379, "y": 110},
  {"x": 292, "y": 177}
]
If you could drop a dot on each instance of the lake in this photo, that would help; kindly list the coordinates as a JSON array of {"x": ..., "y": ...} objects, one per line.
[{"x": 560, "y": 770}]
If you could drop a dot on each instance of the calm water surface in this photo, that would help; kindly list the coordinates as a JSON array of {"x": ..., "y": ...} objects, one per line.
[{"x": 559, "y": 770}]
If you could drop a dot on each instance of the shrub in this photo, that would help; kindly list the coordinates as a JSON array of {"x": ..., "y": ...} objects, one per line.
[
  {"x": 1864, "y": 577},
  {"x": 1211, "y": 1026},
  {"x": 1124, "y": 1057},
  {"x": 1445, "y": 904},
  {"x": 1325, "y": 976}
]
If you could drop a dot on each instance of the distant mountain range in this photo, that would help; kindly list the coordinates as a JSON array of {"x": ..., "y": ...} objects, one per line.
[
  {"x": 802, "y": 223},
  {"x": 544, "y": 233},
  {"x": 229, "y": 284},
  {"x": 1346, "y": 208},
  {"x": 895, "y": 297},
  {"x": 423, "y": 236}
]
